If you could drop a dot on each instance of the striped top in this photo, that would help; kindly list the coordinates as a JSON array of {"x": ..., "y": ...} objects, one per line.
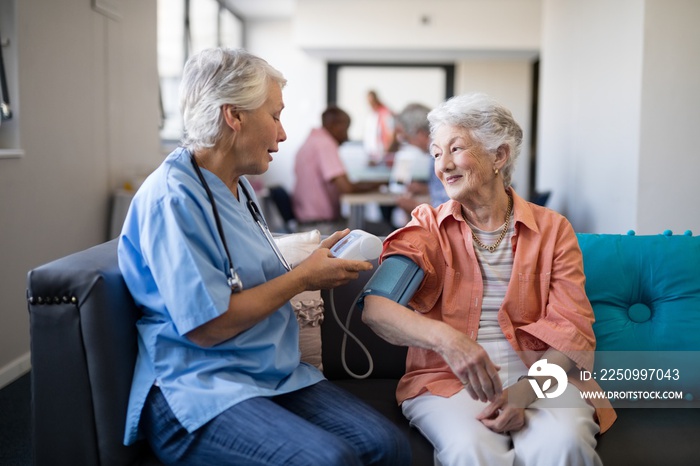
[{"x": 496, "y": 268}]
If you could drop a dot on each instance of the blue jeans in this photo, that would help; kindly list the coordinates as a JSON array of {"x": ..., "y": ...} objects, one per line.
[{"x": 318, "y": 425}]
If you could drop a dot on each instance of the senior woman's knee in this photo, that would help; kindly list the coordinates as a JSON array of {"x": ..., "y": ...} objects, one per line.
[
  {"x": 475, "y": 450},
  {"x": 563, "y": 448},
  {"x": 560, "y": 443}
]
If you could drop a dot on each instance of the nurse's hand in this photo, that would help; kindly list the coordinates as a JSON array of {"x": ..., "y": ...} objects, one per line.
[
  {"x": 321, "y": 270},
  {"x": 334, "y": 238}
]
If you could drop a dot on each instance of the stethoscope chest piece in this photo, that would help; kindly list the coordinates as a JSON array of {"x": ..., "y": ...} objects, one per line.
[{"x": 234, "y": 281}]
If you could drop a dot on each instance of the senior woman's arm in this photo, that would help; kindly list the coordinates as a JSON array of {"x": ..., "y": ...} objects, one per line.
[
  {"x": 321, "y": 270},
  {"x": 567, "y": 323},
  {"x": 467, "y": 359}
]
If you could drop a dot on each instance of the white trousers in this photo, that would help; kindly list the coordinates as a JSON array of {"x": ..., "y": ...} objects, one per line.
[{"x": 558, "y": 431}]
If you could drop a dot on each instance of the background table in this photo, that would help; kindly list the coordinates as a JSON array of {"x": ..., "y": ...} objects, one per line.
[{"x": 358, "y": 201}]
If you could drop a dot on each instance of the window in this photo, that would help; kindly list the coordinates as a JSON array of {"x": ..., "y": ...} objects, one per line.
[
  {"x": 185, "y": 27},
  {"x": 9, "y": 126},
  {"x": 397, "y": 84}
]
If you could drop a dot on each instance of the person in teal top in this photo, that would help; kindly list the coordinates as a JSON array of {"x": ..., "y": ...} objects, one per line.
[{"x": 218, "y": 378}]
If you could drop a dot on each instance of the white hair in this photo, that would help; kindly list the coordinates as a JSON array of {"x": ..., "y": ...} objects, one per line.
[
  {"x": 489, "y": 123},
  {"x": 214, "y": 77},
  {"x": 414, "y": 118}
]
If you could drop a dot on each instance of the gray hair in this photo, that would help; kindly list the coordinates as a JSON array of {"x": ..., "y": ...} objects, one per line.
[
  {"x": 489, "y": 123},
  {"x": 414, "y": 118},
  {"x": 214, "y": 77}
]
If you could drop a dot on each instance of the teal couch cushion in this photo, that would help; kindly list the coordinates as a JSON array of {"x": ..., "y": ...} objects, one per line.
[{"x": 645, "y": 291}]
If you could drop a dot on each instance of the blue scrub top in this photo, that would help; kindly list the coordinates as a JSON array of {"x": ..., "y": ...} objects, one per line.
[{"x": 174, "y": 265}]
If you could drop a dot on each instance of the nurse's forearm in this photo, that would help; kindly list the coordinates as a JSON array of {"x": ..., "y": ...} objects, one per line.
[
  {"x": 319, "y": 271},
  {"x": 247, "y": 308}
]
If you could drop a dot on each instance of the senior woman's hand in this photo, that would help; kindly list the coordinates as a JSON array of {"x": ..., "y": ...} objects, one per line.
[
  {"x": 472, "y": 365},
  {"x": 507, "y": 412},
  {"x": 467, "y": 359}
]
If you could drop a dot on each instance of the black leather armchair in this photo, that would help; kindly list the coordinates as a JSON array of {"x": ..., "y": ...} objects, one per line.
[{"x": 83, "y": 344}]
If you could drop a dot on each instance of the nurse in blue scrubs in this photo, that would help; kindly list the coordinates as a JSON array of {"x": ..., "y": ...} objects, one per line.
[{"x": 218, "y": 378}]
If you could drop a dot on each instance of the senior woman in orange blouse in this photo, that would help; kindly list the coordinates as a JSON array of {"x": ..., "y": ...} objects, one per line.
[{"x": 503, "y": 291}]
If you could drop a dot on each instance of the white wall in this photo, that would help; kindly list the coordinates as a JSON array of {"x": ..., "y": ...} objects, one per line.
[
  {"x": 88, "y": 92},
  {"x": 669, "y": 164},
  {"x": 591, "y": 79},
  {"x": 465, "y": 26},
  {"x": 304, "y": 96},
  {"x": 619, "y": 107}
]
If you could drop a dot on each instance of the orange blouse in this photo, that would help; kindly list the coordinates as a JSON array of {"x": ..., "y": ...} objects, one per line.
[{"x": 545, "y": 304}]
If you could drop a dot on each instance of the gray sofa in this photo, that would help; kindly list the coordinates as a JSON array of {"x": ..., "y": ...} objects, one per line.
[{"x": 83, "y": 346}]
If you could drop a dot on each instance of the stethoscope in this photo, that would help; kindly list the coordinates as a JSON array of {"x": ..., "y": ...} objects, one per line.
[{"x": 234, "y": 280}]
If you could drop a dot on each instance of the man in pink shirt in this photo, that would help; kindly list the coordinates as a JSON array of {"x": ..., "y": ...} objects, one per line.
[{"x": 321, "y": 176}]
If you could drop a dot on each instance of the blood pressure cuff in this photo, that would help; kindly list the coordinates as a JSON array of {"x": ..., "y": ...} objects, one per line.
[{"x": 397, "y": 278}]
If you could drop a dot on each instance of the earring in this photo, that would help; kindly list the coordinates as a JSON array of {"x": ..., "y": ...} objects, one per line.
[{"x": 495, "y": 172}]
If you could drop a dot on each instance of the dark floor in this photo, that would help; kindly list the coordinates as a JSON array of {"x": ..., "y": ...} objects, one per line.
[{"x": 15, "y": 427}]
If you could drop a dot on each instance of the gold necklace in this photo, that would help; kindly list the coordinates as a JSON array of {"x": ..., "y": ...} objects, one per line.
[{"x": 493, "y": 247}]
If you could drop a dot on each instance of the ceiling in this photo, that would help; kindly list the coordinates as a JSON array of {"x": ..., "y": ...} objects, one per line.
[
  {"x": 262, "y": 9},
  {"x": 257, "y": 10}
]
